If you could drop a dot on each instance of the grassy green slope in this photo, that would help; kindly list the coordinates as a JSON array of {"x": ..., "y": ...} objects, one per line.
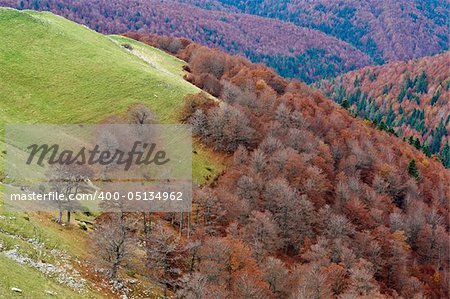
[
  {"x": 33, "y": 283},
  {"x": 55, "y": 71},
  {"x": 157, "y": 58}
]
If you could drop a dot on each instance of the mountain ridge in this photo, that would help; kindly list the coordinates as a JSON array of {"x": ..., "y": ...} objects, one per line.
[
  {"x": 389, "y": 30},
  {"x": 409, "y": 97}
]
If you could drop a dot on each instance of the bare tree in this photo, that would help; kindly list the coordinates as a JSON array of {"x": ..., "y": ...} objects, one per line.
[
  {"x": 164, "y": 256},
  {"x": 313, "y": 284},
  {"x": 293, "y": 212},
  {"x": 247, "y": 188},
  {"x": 193, "y": 286},
  {"x": 205, "y": 61},
  {"x": 276, "y": 275},
  {"x": 262, "y": 233},
  {"x": 282, "y": 115},
  {"x": 362, "y": 282},
  {"x": 240, "y": 156},
  {"x": 68, "y": 180},
  {"x": 140, "y": 115},
  {"x": 230, "y": 92},
  {"x": 198, "y": 122},
  {"x": 258, "y": 161},
  {"x": 228, "y": 127},
  {"x": 112, "y": 239}
]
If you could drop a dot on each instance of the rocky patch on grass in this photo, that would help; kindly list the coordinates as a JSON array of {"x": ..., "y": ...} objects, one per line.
[{"x": 63, "y": 273}]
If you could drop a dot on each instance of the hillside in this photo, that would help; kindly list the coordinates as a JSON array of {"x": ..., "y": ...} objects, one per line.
[
  {"x": 55, "y": 71},
  {"x": 315, "y": 203},
  {"x": 102, "y": 78},
  {"x": 304, "y": 53},
  {"x": 412, "y": 98},
  {"x": 298, "y": 198},
  {"x": 385, "y": 30}
]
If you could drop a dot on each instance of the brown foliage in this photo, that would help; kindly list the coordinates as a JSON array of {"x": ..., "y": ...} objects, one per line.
[{"x": 310, "y": 183}]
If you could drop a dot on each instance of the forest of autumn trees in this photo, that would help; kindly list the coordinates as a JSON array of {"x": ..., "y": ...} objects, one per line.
[
  {"x": 314, "y": 203},
  {"x": 410, "y": 99},
  {"x": 386, "y": 30}
]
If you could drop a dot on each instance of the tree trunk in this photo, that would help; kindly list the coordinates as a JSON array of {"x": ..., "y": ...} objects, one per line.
[
  {"x": 145, "y": 223},
  {"x": 188, "y": 225},
  {"x": 59, "y": 220},
  {"x": 114, "y": 269},
  {"x": 181, "y": 223},
  {"x": 192, "y": 261},
  {"x": 149, "y": 221}
]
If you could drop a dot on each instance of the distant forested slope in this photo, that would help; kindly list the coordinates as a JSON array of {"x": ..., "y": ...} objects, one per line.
[
  {"x": 385, "y": 30},
  {"x": 411, "y": 98}
]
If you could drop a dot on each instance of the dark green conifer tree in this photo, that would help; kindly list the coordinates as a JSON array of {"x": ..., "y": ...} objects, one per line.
[
  {"x": 345, "y": 104},
  {"x": 445, "y": 155},
  {"x": 412, "y": 169}
]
